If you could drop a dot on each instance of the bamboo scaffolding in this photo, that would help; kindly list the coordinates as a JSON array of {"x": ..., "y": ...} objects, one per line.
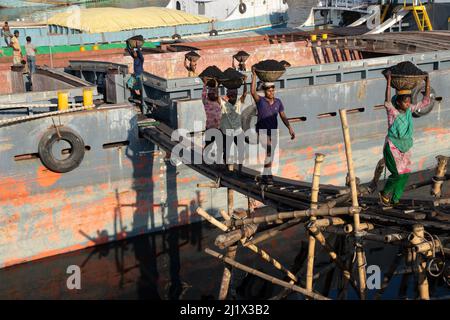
[
  {"x": 267, "y": 277},
  {"x": 354, "y": 192}
]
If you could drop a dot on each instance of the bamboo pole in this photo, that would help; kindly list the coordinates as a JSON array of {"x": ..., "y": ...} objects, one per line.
[
  {"x": 314, "y": 206},
  {"x": 322, "y": 211},
  {"x": 273, "y": 232},
  {"x": 231, "y": 252},
  {"x": 265, "y": 276},
  {"x": 223, "y": 241},
  {"x": 225, "y": 215},
  {"x": 439, "y": 177},
  {"x": 418, "y": 236},
  {"x": 211, "y": 219},
  {"x": 354, "y": 193},
  {"x": 226, "y": 277},
  {"x": 271, "y": 260}
]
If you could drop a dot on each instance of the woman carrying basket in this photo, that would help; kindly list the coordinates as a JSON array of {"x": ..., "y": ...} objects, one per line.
[
  {"x": 268, "y": 108},
  {"x": 399, "y": 139}
]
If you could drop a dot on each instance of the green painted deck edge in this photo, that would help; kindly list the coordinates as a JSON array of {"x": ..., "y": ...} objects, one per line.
[{"x": 66, "y": 49}]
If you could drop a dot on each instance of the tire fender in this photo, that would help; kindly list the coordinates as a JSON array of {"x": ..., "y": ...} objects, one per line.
[
  {"x": 417, "y": 95},
  {"x": 65, "y": 165},
  {"x": 242, "y": 8}
]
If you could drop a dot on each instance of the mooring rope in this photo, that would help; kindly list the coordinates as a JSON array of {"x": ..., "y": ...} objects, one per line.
[{"x": 43, "y": 115}]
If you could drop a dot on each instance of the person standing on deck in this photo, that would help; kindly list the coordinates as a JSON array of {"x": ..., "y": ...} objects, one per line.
[
  {"x": 138, "y": 70},
  {"x": 399, "y": 139},
  {"x": 213, "y": 110},
  {"x": 17, "y": 52},
  {"x": 231, "y": 124},
  {"x": 6, "y": 33},
  {"x": 31, "y": 56},
  {"x": 268, "y": 108}
]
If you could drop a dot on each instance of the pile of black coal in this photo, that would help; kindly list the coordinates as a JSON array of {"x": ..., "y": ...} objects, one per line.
[
  {"x": 232, "y": 79},
  {"x": 232, "y": 74},
  {"x": 212, "y": 72},
  {"x": 192, "y": 56},
  {"x": 285, "y": 63},
  {"x": 406, "y": 68},
  {"x": 270, "y": 65},
  {"x": 241, "y": 56}
]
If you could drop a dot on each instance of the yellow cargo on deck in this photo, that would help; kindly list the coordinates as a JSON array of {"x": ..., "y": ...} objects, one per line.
[{"x": 98, "y": 20}]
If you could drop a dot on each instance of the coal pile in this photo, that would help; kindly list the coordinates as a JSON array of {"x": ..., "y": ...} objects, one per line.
[
  {"x": 285, "y": 63},
  {"x": 233, "y": 79},
  {"x": 406, "y": 68},
  {"x": 192, "y": 56},
  {"x": 270, "y": 65},
  {"x": 241, "y": 56},
  {"x": 232, "y": 74},
  {"x": 212, "y": 72}
]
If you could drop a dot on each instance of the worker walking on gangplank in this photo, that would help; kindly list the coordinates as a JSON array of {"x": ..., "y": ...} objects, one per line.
[
  {"x": 268, "y": 107},
  {"x": 399, "y": 139}
]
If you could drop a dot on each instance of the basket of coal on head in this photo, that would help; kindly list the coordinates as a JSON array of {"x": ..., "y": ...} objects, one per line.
[
  {"x": 192, "y": 56},
  {"x": 406, "y": 76},
  {"x": 210, "y": 74},
  {"x": 232, "y": 79},
  {"x": 135, "y": 42},
  {"x": 269, "y": 70}
]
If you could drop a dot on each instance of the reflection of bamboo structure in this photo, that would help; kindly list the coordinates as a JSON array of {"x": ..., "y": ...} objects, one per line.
[{"x": 354, "y": 192}]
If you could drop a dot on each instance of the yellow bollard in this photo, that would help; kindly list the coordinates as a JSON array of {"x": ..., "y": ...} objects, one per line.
[
  {"x": 63, "y": 101},
  {"x": 82, "y": 49},
  {"x": 313, "y": 37},
  {"x": 88, "y": 98},
  {"x": 324, "y": 36}
]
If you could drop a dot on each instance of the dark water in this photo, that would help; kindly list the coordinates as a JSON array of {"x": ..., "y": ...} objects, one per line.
[{"x": 173, "y": 265}]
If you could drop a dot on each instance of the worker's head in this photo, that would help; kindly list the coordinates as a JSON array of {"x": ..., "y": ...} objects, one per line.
[
  {"x": 269, "y": 90},
  {"x": 403, "y": 101},
  {"x": 232, "y": 95},
  {"x": 212, "y": 93},
  {"x": 16, "y": 33},
  {"x": 28, "y": 39},
  {"x": 6, "y": 23}
]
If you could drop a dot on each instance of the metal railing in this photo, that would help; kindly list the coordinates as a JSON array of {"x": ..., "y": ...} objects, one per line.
[{"x": 349, "y": 4}]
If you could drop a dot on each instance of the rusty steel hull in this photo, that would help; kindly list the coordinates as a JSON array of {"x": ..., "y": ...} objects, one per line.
[{"x": 124, "y": 187}]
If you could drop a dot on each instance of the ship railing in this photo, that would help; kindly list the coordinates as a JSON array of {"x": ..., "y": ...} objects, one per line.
[{"x": 348, "y": 4}]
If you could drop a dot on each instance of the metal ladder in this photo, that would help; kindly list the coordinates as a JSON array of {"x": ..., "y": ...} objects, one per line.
[{"x": 420, "y": 14}]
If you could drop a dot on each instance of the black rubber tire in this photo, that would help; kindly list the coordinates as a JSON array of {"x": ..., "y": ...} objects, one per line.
[
  {"x": 68, "y": 164},
  {"x": 242, "y": 8},
  {"x": 417, "y": 95},
  {"x": 213, "y": 33}
]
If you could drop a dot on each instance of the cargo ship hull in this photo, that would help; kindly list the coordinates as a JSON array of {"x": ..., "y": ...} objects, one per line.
[{"x": 125, "y": 186}]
